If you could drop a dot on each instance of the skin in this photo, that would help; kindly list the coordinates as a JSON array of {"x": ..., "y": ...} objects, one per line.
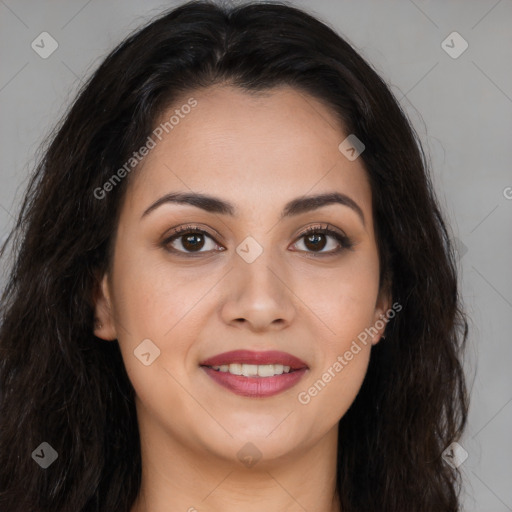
[{"x": 194, "y": 307}]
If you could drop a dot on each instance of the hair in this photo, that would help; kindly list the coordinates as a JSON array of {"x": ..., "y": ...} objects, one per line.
[{"x": 62, "y": 385}]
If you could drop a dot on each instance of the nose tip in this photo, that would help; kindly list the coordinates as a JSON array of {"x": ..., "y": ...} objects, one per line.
[{"x": 257, "y": 298}]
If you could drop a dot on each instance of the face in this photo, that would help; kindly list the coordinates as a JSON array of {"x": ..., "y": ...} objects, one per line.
[{"x": 257, "y": 266}]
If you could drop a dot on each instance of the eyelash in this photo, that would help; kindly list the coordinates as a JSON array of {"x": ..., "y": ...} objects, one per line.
[{"x": 345, "y": 242}]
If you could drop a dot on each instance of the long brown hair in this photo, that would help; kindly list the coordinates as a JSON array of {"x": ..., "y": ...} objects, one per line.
[{"x": 61, "y": 385}]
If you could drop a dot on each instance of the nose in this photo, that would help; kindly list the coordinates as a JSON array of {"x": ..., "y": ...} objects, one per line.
[{"x": 259, "y": 295}]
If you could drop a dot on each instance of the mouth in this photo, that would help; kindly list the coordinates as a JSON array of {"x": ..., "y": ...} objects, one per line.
[{"x": 255, "y": 374}]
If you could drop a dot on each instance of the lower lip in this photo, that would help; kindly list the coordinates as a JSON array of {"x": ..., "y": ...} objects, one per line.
[{"x": 255, "y": 386}]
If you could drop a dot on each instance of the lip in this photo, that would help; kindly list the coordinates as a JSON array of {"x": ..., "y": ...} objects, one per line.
[
  {"x": 259, "y": 358},
  {"x": 255, "y": 387}
]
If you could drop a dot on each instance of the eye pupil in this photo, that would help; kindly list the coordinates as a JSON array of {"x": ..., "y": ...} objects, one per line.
[
  {"x": 315, "y": 238},
  {"x": 189, "y": 239}
]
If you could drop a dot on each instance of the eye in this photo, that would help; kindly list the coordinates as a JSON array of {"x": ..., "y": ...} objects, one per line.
[
  {"x": 192, "y": 239},
  {"x": 188, "y": 240},
  {"x": 316, "y": 238}
]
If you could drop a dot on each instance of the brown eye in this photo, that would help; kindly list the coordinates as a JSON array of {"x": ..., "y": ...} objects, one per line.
[
  {"x": 189, "y": 240},
  {"x": 316, "y": 239},
  {"x": 192, "y": 241}
]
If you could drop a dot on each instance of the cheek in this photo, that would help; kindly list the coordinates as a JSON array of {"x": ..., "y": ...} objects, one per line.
[
  {"x": 332, "y": 389},
  {"x": 153, "y": 297},
  {"x": 345, "y": 301},
  {"x": 343, "y": 351},
  {"x": 157, "y": 303},
  {"x": 344, "y": 297},
  {"x": 165, "y": 304}
]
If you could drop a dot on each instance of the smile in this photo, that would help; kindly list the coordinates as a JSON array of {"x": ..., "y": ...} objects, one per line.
[
  {"x": 253, "y": 370},
  {"x": 255, "y": 374}
]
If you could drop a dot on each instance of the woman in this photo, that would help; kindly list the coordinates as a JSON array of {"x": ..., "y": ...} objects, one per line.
[{"x": 232, "y": 285}]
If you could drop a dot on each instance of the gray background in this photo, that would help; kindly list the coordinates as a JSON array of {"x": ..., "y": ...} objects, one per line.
[{"x": 461, "y": 108}]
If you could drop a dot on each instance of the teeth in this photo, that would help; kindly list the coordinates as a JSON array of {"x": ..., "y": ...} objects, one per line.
[
  {"x": 234, "y": 368},
  {"x": 249, "y": 370},
  {"x": 253, "y": 370},
  {"x": 267, "y": 370}
]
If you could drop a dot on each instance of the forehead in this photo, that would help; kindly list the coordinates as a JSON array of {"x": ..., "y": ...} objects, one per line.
[{"x": 251, "y": 149}]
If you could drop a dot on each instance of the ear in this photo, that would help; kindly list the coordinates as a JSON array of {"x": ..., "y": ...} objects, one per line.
[
  {"x": 380, "y": 319},
  {"x": 104, "y": 326}
]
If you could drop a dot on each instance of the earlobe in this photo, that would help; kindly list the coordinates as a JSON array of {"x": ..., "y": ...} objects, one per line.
[
  {"x": 381, "y": 318},
  {"x": 104, "y": 326},
  {"x": 379, "y": 326}
]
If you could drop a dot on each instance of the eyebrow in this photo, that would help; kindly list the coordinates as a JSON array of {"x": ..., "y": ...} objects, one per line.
[{"x": 294, "y": 207}]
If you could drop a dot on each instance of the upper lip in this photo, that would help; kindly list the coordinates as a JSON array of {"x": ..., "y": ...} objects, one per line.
[{"x": 258, "y": 358}]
